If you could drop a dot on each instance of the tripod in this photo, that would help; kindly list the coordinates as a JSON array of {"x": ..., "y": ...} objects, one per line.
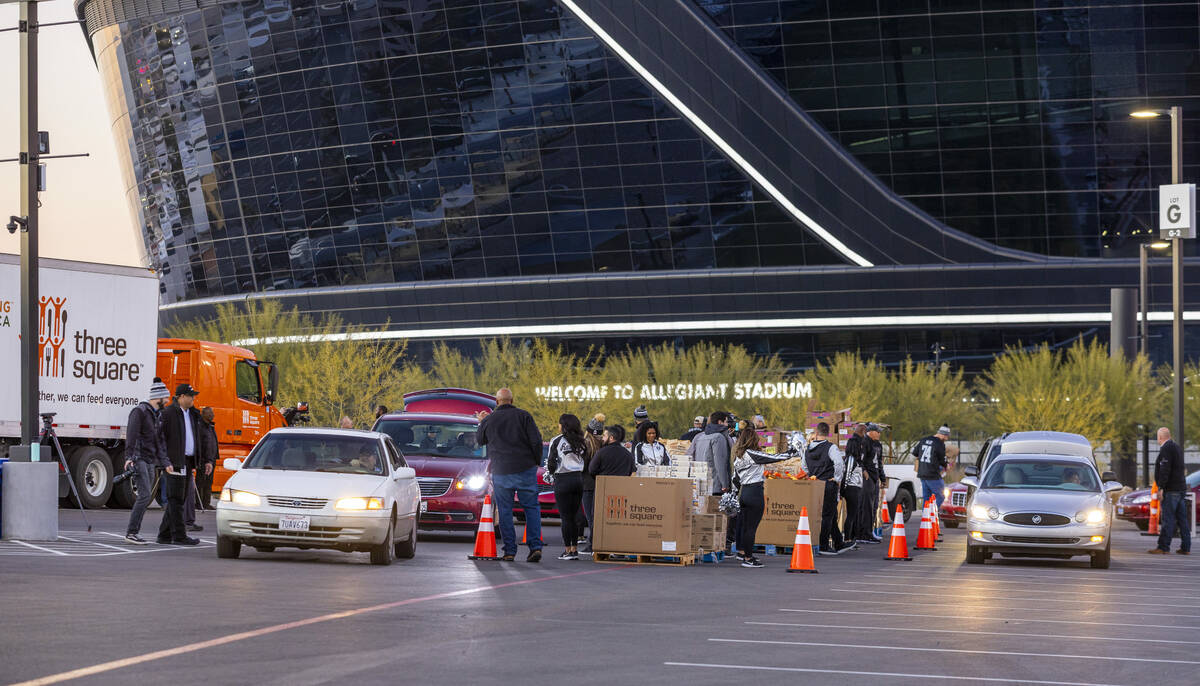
[{"x": 48, "y": 432}]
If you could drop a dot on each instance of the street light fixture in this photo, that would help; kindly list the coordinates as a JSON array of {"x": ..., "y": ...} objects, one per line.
[
  {"x": 1142, "y": 290},
  {"x": 1176, "y": 115}
]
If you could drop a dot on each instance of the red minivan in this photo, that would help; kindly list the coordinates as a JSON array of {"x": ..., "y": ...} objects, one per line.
[{"x": 436, "y": 431}]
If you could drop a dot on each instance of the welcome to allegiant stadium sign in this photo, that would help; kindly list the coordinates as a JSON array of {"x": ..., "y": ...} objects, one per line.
[{"x": 770, "y": 390}]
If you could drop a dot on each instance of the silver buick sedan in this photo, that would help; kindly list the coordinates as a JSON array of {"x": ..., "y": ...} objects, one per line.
[{"x": 1040, "y": 506}]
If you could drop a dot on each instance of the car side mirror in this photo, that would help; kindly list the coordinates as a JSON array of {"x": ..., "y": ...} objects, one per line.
[
  {"x": 232, "y": 464},
  {"x": 1108, "y": 476},
  {"x": 404, "y": 473},
  {"x": 1112, "y": 486},
  {"x": 971, "y": 470},
  {"x": 970, "y": 482}
]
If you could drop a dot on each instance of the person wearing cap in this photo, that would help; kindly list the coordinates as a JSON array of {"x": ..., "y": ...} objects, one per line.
[
  {"x": 593, "y": 441},
  {"x": 696, "y": 430},
  {"x": 202, "y": 469},
  {"x": 873, "y": 480},
  {"x": 180, "y": 428},
  {"x": 144, "y": 453},
  {"x": 931, "y": 464},
  {"x": 823, "y": 461}
]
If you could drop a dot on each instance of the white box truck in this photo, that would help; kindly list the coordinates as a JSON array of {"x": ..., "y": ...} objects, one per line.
[{"x": 96, "y": 356}]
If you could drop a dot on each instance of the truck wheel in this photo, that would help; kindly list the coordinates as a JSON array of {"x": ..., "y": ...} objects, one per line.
[
  {"x": 385, "y": 552},
  {"x": 228, "y": 548},
  {"x": 906, "y": 500},
  {"x": 975, "y": 554},
  {"x": 92, "y": 473},
  {"x": 1102, "y": 559}
]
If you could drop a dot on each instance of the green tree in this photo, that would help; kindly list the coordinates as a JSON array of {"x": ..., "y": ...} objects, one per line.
[
  {"x": 921, "y": 397},
  {"x": 847, "y": 380}
]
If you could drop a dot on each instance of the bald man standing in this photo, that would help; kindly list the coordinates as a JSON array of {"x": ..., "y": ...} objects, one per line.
[
  {"x": 514, "y": 451},
  {"x": 1169, "y": 474}
]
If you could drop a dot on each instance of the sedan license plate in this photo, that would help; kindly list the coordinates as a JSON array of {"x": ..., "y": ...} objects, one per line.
[
  {"x": 424, "y": 506},
  {"x": 294, "y": 522}
]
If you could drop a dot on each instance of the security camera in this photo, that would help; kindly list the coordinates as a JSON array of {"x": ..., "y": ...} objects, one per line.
[{"x": 14, "y": 222}]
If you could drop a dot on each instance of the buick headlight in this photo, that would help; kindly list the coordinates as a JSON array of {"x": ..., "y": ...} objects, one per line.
[
  {"x": 979, "y": 512},
  {"x": 946, "y": 492},
  {"x": 353, "y": 504},
  {"x": 244, "y": 498},
  {"x": 1090, "y": 516},
  {"x": 473, "y": 483}
]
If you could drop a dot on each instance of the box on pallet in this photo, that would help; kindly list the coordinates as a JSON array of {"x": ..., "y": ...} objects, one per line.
[
  {"x": 708, "y": 531},
  {"x": 784, "y": 500},
  {"x": 642, "y": 515}
]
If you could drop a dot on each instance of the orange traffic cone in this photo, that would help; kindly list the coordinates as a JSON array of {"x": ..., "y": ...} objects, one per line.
[
  {"x": 898, "y": 546},
  {"x": 802, "y": 554},
  {"x": 937, "y": 523},
  {"x": 485, "y": 538},
  {"x": 925, "y": 539},
  {"x": 525, "y": 536},
  {"x": 1153, "y": 530},
  {"x": 883, "y": 511}
]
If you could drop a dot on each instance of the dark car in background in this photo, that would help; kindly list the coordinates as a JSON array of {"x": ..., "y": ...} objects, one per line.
[{"x": 1134, "y": 506}]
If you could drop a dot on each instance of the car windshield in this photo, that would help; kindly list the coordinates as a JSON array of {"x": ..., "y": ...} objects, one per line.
[
  {"x": 318, "y": 453},
  {"x": 1042, "y": 475},
  {"x": 1193, "y": 479},
  {"x": 424, "y": 437}
]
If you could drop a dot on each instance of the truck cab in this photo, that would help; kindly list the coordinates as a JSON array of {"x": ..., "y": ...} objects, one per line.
[{"x": 240, "y": 388}]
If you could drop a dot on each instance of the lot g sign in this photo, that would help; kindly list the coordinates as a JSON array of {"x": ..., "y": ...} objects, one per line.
[{"x": 1177, "y": 210}]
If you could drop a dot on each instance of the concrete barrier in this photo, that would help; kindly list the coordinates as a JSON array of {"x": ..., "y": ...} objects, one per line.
[{"x": 30, "y": 501}]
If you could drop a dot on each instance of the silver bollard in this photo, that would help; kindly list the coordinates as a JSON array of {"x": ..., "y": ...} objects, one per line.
[{"x": 30, "y": 501}]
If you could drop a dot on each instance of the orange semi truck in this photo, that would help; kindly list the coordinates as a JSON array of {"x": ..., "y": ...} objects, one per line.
[{"x": 99, "y": 353}]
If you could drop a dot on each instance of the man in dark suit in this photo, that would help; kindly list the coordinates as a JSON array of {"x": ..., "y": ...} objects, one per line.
[
  {"x": 1169, "y": 474},
  {"x": 181, "y": 432}
]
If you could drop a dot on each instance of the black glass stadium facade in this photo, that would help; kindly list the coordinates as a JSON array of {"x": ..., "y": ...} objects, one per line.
[{"x": 798, "y": 176}]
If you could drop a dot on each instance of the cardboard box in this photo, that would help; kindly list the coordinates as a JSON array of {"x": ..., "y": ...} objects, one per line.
[
  {"x": 784, "y": 498},
  {"x": 639, "y": 515},
  {"x": 707, "y": 540},
  {"x": 712, "y": 504},
  {"x": 708, "y": 522}
]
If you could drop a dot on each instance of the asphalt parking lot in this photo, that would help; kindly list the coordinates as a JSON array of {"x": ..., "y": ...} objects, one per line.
[{"x": 93, "y": 609}]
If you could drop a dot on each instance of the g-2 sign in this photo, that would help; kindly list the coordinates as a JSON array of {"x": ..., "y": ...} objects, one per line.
[{"x": 1177, "y": 210}]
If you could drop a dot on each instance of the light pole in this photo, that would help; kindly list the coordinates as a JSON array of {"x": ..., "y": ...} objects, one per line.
[
  {"x": 1142, "y": 296},
  {"x": 1176, "y": 115}
]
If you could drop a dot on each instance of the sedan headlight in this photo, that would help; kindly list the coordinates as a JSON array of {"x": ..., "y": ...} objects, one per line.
[
  {"x": 946, "y": 492},
  {"x": 353, "y": 504},
  {"x": 473, "y": 483},
  {"x": 244, "y": 498},
  {"x": 1090, "y": 516},
  {"x": 1141, "y": 499},
  {"x": 979, "y": 512}
]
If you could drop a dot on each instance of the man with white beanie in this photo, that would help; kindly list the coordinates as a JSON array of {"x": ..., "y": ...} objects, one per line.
[{"x": 145, "y": 452}]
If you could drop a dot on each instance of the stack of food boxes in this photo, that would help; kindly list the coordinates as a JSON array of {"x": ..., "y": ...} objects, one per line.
[{"x": 683, "y": 467}]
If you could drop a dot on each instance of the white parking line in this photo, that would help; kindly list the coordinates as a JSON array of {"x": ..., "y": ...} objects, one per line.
[
  {"x": 965, "y": 597},
  {"x": 898, "y": 675},
  {"x": 984, "y": 606},
  {"x": 992, "y": 619},
  {"x": 102, "y": 545},
  {"x": 863, "y": 646},
  {"x": 905, "y": 629},
  {"x": 1004, "y": 579},
  {"x": 38, "y": 547},
  {"x": 1018, "y": 571}
]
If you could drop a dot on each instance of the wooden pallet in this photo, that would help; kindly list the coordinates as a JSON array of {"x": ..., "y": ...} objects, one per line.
[{"x": 680, "y": 560}]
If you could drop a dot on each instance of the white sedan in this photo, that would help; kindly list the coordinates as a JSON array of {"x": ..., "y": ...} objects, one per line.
[{"x": 338, "y": 489}]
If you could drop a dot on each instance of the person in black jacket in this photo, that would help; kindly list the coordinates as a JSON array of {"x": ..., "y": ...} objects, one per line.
[
  {"x": 595, "y": 441},
  {"x": 180, "y": 428},
  {"x": 696, "y": 430},
  {"x": 931, "y": 465},
  {"x": 564, "y": 468},
  {"x": 145, "y": 453},
  {"x": 823, "y": 460},
  {"x": 873, "y": 480},
  {"x": 199, "y": 487},
  {"x": 613, "y": 459},
  {"x": 514, "y": 454},
  {"x": 1172, "y": 487}
]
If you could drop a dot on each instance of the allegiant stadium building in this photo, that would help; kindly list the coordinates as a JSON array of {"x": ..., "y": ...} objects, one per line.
[{"x": 801, "y": 177}]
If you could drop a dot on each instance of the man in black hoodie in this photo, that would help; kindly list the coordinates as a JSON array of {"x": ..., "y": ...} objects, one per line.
[
  {"x": 145, "y": 452},
  {"x": 613, "y": 459},
  {"x": 1172, "y": 487},
  {"x": 514, "y": 447}
]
